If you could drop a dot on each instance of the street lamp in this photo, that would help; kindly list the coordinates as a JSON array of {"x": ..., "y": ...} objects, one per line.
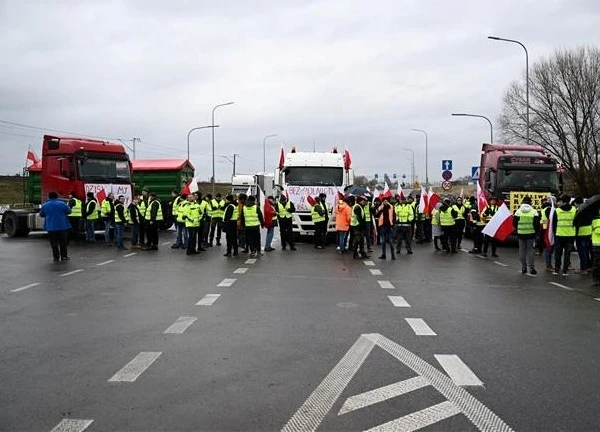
[
  {"x": 478, "y": 116},
  {"x": 192, "y": 130},
  {"x": 526, "y": 73},
  {"x": 265, "y": 151},
  {"x": 426, "y": 155},
  {"x": 412, "y": 166},
  {"x": 213, "y": 143}
]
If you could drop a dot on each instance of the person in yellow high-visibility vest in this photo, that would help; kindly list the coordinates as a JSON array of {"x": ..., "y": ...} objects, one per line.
[
  {"x": 217, "y": 205},
  {"x": 317, "y": 213},
  {"x": 564, "y": 235},
  {"x": 526, "y": 222},
  {"x": 154, "y": 216},
  {"x": 583, "y": 242},
  {"x": 76, "y": 215},
  {"x": 253, "y": 221},
  {"x": 596, "y": 250}
]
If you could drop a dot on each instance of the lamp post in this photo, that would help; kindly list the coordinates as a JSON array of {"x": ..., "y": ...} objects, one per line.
[
  {"x": 265, "y": 151},
  {"x": 479, "y": 116},
  {"x": 213, "y": 143},
  {"x": 426, "y": 155},
  {"x": 412, "y": 166},
  {"x": 227, "y": 158},
  {"x": 526, "y": 73},
  {"x": 192, "y": 130}
]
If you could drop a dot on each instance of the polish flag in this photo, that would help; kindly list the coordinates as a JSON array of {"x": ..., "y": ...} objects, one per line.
[
  {"x": 191, "y": 187},
  {"x": 400, "y": 192},
  {"x": 101, "y": 196},
  {"x": 500, "y": 226},
  {"x": 31, "y": 156},
  {"x": 347, "y": 160},
  {"x": 281, "y": 158},
  {"x": 387, "y": 193},
  {"x": 549, "y": 234},
  {"x": 433, "y": 200},
  {"x": 481, "y": 199},
  {"x": 424, "y": 201},
  {"x": 462, "y": 191},
  {"x": 310, "y": 200},
  {"x": 249, "y": 191},
  {"x": 376, "y": 194}
]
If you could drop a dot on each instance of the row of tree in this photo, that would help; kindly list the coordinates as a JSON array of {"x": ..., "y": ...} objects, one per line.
[{"x": 564, "y": 105}]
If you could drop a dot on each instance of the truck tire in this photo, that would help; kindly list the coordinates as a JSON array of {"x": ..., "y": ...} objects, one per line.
[{"x": 12, "y": 226}]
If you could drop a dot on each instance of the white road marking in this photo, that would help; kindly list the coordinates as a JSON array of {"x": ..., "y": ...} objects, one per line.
[
  {"x": 420, "y": 419},
  {"x": 132, "y": 370},
  {"x": 464, "y": 250},
  {"x": 383, "y": 393},
  {"x": 130, "y": 255},
  {"x": 226, "y": 282},
  {"x": 598, "y": 299},
  {"x": 375, "y": 272},
  {"x": 250, "y": 261},
  {"x": 500, "y": 264},
  {"x": 385, "y": 284},
  {"x": 530, "y": 275},
  {"x": 398, "y": 301},
  {"x": 166, "y": 243},
  {"x": 241, "y": 270},
  {"x": 208, "y": 299},
  {"x": 562, "y": 286},
  {"x": 72, "y": 425},
  {"x": 71, "y": 272},
  {"x": 369, "y": 263},
  {"x": 457, "y": 370},
  {"x": 180, "y": 325},
  {"x": 104, "y": 263},
  {"x": 310, "y": 415},
  {"x": 480, "y": 256},
  {"x": 23, "y": 288},
  {"x": 420, "y": 327}
]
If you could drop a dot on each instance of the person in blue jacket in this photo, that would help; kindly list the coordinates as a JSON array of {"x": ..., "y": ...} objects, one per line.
[{"x": 56, "y": 222}]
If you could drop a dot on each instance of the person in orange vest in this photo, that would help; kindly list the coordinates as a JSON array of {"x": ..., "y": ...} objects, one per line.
[
  {"x": 386, "y": 218},
  {"x": 343, "y": 215}
]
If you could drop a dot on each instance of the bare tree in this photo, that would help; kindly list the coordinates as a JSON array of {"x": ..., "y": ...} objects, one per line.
[{"x": 564, "y": 113}]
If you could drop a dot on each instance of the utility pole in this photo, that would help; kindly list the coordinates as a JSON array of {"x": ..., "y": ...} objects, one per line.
[
  {"x": 234, "y": 155},
  {"x": 134, "y": 139}
]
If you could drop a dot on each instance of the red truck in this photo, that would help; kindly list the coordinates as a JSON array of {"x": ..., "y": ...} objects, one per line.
[{"x": 69, "y": 164}]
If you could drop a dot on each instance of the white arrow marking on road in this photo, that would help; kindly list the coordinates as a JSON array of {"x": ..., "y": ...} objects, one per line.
[
  {"x": 419, "y": 419},
  {"x": 180, "y": 325},
  {"x": 386, "y": 284},
  {"x": 383, "y": 393},
  {"x": 241, "y": 270},
  {"x": 132, "y": 370},
  {"x": 23, "y": 288},
  {"x": 398, "y": 301},
  {"x": 420, "y": 327},
  {"x": 457, "y": 370},
  {"x": 208, "y": 300},
  {"x": 130, "y": 255},
  {"x": 250, "y": 261},
  {"x": 310, "y": 415},
  {"x": 71, "y": 272},
  {"x": 72, "y": 425},
  {"x": 104, "y": 263},
  {"x": 226, "y": 282},
  {"x": 369, "y": 263},
  {"x": 375, "y": 272},
  {"x": 562, "y": 286}
]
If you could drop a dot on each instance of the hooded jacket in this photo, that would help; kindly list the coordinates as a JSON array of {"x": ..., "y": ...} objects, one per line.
[
  {"x": 526, "y": 208},
  {"x": 343, "y": 215}
]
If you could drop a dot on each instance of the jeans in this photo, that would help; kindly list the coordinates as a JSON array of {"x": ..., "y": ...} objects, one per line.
[
  {"x": 342, "y": 237},
  {"x": 135, "y": 234},
  {"x": 269, "y": 237},
  {"x": 192, "y": 237},
  {"x": 368, "y": 228},
  {"x": 107, "y": 231},
  {"x": 182, "y": 234},
  {"x": 119, "y": 230},
  {"x": 562, "y": 245},
  {"x": 89, "y": 231},
  {"x": 58, "y": 242},
  {"x": 583, "y": 245},
  {"x": 386, "y": 238},
  {"x": 548, "y": 255},
  {"x": 526, "y": 253}
]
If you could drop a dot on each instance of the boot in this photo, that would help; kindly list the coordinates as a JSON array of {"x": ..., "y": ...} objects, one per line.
[{"x": 382, "y": 257}]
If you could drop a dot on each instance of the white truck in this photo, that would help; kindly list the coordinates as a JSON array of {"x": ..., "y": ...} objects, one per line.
[
  {"x": 306, "y": 174},
  {"x": 241, "y": 182}
]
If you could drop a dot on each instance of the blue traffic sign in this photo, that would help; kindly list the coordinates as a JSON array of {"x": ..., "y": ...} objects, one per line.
[
  {"x": 447, "y": 175},
  {"x": 446, "y": 165},
  {"x": 475, "y": 173},
  {"x": 376, "y": 176},
  {"x": 394, "y": 176}
]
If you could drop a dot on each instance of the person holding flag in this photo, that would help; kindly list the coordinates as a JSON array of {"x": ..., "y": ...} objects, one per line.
[{"x": 486, "y": 215}]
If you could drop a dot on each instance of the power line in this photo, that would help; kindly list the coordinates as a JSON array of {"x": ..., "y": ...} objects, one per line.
[{"x": 22, "y": 125}]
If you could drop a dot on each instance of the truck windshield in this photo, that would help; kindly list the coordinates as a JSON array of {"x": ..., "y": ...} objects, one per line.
[
  {"x": 94, "y": 169},
  {"x": 534, "y": 180},
  {"x": 308, "y": 176}
]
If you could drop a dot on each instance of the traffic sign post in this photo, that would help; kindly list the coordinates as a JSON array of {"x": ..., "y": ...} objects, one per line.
[
  {"x": 447, "y": 185},
  {"x": 446, "y": 165},
  {"x": 475, "y": 173},
  {"x": 447, "y": 175}
]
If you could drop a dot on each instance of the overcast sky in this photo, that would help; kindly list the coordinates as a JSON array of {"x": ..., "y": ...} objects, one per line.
[{"x": 355, "y": 73}]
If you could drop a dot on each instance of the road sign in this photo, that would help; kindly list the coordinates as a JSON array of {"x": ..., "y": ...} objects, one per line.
[
  {"x": 403, "y": 176},
  {"x": 446, "y": 165},
  {"x": 394, "y": 176},
  {"x": 376, "y": 176},
  {"x": 416, "y": 374},
  {"x": 447, "y": 175},
  {"x": 475, "y": 173},
  {"x": 447, "y": 185}
]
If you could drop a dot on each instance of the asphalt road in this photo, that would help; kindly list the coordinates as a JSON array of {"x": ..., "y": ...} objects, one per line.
[{"x": 115, "y": 341}]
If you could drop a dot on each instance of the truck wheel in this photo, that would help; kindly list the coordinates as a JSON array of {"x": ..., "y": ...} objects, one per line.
[{"x": 11, "y": 226}]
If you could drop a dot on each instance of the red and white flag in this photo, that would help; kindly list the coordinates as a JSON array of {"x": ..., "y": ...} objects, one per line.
[
  {"x": 501, "y": 224},
  {"x": 31, "y": 156},
  {"x": 387, "y": 193},
  {"x": 549, "y": 234},
  {"x": 462, "y": 191},
  {"x": 191, "y": 187},
  {"x": 400, "y": 192},
  {"x": 347, "y": 160},
  {"x": 281, "y": 158},
  {"x": 481, "y": 199},
  {"x": 310, "y": 200},
  {"x": 433, "y": 200},
  {"x": 424, "y": 201},
  {"x": 101, "y": 196}
]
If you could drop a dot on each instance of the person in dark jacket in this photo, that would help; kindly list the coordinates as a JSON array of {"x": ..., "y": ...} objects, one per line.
[
  {"x": 134, "y": 219},
  {"x": 358, "y": 225},
  {"x": 386, "y": 218},
  {"x": 230, "y": 220},
  {"x": 120, "y": 221},
  {"x": 90, "y": 215},
  {"x": 56, "y": 222},
  {"x": 285, "y": 210},
  {"x": 153, "y": 218},
  {"x": 526, "y": 222},
  {"x": 448, "y": 217}
]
